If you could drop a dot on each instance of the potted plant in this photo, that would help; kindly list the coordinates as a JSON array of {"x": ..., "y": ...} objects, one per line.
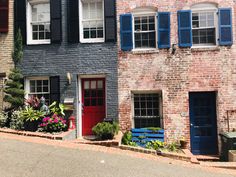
[{"x": 183, "y": 143}]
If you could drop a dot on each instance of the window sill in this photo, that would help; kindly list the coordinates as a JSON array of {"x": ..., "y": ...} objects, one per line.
[
  {"x": 92, "y": 41},
  {"x": 205, "y": 48},
  {"x": 42, "y": 42},
  {"x": 144, "y": 51}
]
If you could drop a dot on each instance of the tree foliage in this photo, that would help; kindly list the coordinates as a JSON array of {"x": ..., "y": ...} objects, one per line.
[{"x": 14, "y": 92}]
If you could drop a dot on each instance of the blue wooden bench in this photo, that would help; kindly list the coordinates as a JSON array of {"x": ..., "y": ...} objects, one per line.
[{"x": 143, "y": 135}]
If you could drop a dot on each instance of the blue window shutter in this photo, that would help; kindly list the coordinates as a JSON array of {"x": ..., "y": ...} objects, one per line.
[
  {"x": 126, "y": 35},
  {"x": 185, "y": 28},
  {"x": 225, "y": 26},
  {"x": 163, "y": 30}
]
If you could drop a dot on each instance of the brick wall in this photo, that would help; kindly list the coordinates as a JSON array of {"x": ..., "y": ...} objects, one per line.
[
  {"x": 6, "y": 47},
  {"x": 188, "y": 70}
]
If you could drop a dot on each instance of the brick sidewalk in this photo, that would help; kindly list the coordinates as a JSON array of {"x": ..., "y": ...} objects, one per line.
[{"x": 113, "y": 150}]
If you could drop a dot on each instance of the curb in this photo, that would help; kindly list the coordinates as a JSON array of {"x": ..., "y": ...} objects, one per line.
[
  {"x": 154, "y": 152},
  {"x": 38, "y": 134}
]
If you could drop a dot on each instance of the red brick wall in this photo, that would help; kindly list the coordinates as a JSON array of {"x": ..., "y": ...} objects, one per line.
[{"x": 177, "y": 75}]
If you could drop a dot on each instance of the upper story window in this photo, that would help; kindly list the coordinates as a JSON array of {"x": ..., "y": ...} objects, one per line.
[
  {"x": 204, "y": 25},
  {"x": 144, "y": 28},
  {"x": 92, "y": 21},
  {"x": 38, "y": 22}
]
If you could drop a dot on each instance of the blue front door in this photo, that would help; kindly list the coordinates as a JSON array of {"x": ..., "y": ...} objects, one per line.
[{"x": 203, "y": 127}]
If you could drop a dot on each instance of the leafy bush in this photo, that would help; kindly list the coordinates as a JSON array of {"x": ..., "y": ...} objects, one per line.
[
  {"x": 158, "y": 145},
  {"x": 58, "y": 109},
  {"x": 127, "y": 139},
  {"x": 33, "y": 102},
  {"x": 106, "y": 130},
  {"x": 3, "y": 119},
  {"x": 16, "y": 122},
  {"x": 30, "y": 114},
  {"x": 54, "y": 123}
]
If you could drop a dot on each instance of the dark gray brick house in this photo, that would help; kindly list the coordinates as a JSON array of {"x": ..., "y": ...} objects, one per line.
[{"x": 70, "y": 54}]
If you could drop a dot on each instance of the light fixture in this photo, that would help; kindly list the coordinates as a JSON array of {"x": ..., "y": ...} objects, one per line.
[
  {"x": 69, "y": 77},
  {"x": 173, "y": 49}
]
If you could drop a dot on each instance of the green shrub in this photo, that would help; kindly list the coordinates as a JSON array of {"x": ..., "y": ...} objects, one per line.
[
  {"x": 16, "y": 121},
  {"x": 30, "y": 114},
  {"x": 127, "y": 139},
  {"x": 3, "y": 119},
  {"x": 158, "y": 145},
  {"x": 106, "y": 130}
]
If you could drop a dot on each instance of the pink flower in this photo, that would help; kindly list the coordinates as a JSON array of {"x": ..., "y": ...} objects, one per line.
[
  {"x": 45, "y": 119},
  {"x": 56, "y": 121}
]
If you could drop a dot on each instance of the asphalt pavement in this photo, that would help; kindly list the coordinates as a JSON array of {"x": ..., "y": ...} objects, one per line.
[{"x": 27, "y": 159}]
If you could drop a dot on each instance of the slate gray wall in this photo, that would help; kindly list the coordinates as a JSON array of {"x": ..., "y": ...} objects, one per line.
[{"x": 57, "y": 60}]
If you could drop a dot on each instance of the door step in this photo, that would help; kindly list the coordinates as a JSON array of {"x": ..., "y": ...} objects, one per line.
[{"x": 210, "y": 158}]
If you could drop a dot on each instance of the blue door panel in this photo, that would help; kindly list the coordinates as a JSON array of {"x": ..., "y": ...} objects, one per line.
[{"x": 203, "y": 127}]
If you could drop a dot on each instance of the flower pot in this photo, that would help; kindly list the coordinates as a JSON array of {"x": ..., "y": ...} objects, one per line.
[
  {"x": 183, "y": 144},
  {"x": 31, "y": 126}
]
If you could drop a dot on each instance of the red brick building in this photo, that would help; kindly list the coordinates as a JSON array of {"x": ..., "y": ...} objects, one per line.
[{"x": 177, "y": 69}]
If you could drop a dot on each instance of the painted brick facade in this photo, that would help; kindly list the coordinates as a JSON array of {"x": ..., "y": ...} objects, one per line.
[
  {"x": 6, "y": 48},
  {"x": 188, "y": 70},
  {"x": 78, "y": 59}
]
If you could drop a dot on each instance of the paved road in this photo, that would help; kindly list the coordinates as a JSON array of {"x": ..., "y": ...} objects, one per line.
[{"x": 28, "y": 159}]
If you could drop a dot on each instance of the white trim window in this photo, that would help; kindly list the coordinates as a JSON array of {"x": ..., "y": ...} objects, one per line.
[
  {"x": 38, "y": 87},
  {"x": 204, "y": 25},
  {"x": 92, "y": 21},
  {"x": 146, "y": 110},
  {"x": 144, "y": 25},
  {"x": 38, "y": 22}
]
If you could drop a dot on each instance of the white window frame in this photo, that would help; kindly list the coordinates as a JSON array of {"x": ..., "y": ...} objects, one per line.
[
  {"x": 142, "y": 12},
  {"x": 27, "y": 85},
  {"x": 29, "y": 29},
  {"x": 90, "y": 40},
  {"x": 206, "y": 7}
]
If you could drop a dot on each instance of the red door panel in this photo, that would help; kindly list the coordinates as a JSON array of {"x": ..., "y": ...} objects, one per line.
[{"x": 93, "y": 100}]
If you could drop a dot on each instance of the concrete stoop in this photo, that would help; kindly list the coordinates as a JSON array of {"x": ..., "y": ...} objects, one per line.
[{"x": 116, "y": 142}]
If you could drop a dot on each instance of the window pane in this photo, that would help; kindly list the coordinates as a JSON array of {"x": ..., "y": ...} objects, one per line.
[
  {"x": 100, "y": 102},
  {"x": 100, "y": 84},
  {"x": 32, "y": 86},
  {"x": 85, "y": 11},
  {"x": 99, "y": 10},
  {"x": 86, "y": 85},
  {"x": 93, "y": 84},
  {"x": 92, "y": 10}
]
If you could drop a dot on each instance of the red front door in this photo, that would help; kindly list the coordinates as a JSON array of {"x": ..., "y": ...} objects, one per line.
[{"x": 93, "y": 103}]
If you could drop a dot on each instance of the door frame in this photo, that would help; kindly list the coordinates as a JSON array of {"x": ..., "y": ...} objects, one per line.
[
  {"x": 216, "y": 118},
  {"x": 79, "y": 98}
]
